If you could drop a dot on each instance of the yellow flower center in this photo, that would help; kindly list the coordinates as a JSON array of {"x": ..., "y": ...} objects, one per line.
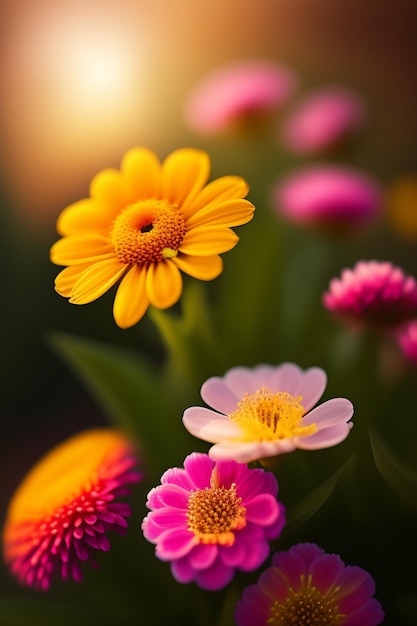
[
  {"x": 306, "y": 607},
  {"x": 267, "y": 416},
  {"x": 148, "y": 231},
  {"x": 215, "y": 512}
]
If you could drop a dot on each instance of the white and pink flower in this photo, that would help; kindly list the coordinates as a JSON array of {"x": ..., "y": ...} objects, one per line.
[
  {"x": 266, "y": 411},
  {"x": 210, "y": 519}
]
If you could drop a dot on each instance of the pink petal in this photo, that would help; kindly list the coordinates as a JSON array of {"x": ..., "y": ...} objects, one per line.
[
  {"x": 208, "y": 425},
  {"x": 199, "y": 468},
  {"x": 325, "y": 570},
  {"x": 324, "y": 438},
  {"x": 174, "y": 544},
  {"x": 217, "y": 394},
  {"x": 215, "y": 577},
  {"x": 263, "y": 509},
  {"x": 234, "y": 555},
  {"x": 371, "y": 614},
  {"x": 244, "y": 452},
  {"x": 329, "y": 413},
  {"x": 173, "y": 496},
  {"x": 241, "y": 380},
  {"x": 203, "y": 556},
  {"x": 257, "y": 553},
  {"x": 182, "y": 570}
]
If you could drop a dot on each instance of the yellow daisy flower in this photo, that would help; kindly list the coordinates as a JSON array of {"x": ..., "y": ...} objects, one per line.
[{"x": 145, "y": 224}]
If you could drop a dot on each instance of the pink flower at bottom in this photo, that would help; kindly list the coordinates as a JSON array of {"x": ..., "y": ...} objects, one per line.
[
  {"x": 373, "y": 293},
  {"x": 210, "y": 519},
  {"x": 307, "y": 586},
  {"x": 268, "y": 410},
  {"x": 237, "y": 92}
]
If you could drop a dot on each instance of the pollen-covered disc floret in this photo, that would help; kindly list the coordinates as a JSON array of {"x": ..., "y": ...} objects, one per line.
[
  {"x": 210, "y": 519},
  {"x": 62, "y": 511},
  {"x": 306, "y": 586},
  {"x": 267, "y": 410},
  {"x": 144, "y": 225}
]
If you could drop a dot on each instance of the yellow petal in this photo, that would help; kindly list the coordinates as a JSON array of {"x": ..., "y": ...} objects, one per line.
[
  {"x": 224, "y": 188},
  {"x": 108, "y": 188},
  {"x": 208, "y": 240},
  {"x": 201, "y": 267},
  {"x": 141, "y": 171},
  {"x": 66, "y": 279},
  {"x": 84, "y": 216},
  {"x": 81, "y": 249},
  {"x": 131, "y": 301},
  {"x": 184, "y": 173},
  {"x": 228, "y": 213},
  {"x": 96, "y": 280},
  {"x": 163, "y": 284}
]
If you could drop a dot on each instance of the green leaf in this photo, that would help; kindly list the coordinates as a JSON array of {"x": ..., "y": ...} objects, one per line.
[
  {"x": 130, "y": 393},
  {"x": 402, "y": 480},
  {"x": 313, "y": 502}
]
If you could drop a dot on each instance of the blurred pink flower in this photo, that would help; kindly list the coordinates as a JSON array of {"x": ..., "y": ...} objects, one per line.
[
  {"x": 211, "y": 519},
  {"x": 328, "y": 196},
  {"x": 237, "y": 93},
  {"x": 323, "y": 119},
  {"x": 266, "y": 411},
  {"x": 307, "y": 586},
  {"x": 373, "y": 293},
  {"x": 407, "y": 340}
]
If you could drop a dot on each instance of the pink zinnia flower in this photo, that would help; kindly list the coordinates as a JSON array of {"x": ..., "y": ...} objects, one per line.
[
  {"x": 238, "y": 92},
  {"x": 329, "y": 197},
  {"x": 323, "y": 119},
  {"x": 373, "y": 293},
  {"x": 211, "y": 519},
  {"x": 64, "y": 508},
  {"x": 307, "y": 586},
  {"x": 265, "y": 411},
  {"x": 407, "y": 340}
]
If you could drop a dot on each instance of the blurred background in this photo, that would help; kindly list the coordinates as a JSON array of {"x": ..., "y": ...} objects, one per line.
[{"x": 83, "y": 81}]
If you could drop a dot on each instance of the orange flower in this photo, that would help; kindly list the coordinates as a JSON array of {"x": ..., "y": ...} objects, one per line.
[{"x": 145, "y": 224}]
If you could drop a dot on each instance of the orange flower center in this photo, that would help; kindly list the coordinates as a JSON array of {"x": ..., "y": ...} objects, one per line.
[
  {"x": 307, "y": 606},
  {"x": 267, "y": 416},
  {"x": 215, "y": 512},
  {"x": 148, "y": 231}
]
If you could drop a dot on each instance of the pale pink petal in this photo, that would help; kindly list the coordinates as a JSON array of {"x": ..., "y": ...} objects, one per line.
[
  {"x": 245, "y": 452},
  {"x": 208, "y": 425},
  {"x": 324, "y": 438},
  {"x": 329, "y": 413},
  {"x": 216, "y": 393}
]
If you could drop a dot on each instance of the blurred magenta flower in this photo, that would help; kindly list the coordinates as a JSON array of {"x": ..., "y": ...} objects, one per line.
[
  {"x": 62, "y": 511},
  {"x": 211, "y": 519},
  {"x": 323, "y": 119},
  {"x": 266, "y": 411},
  {"x": 329, "y": 197},
  {"x": 407, "y": 340},
  {"x": 373, "y": 293},
  {"x": 307, "y": 586},
  {"x": 238, "y": 93}
]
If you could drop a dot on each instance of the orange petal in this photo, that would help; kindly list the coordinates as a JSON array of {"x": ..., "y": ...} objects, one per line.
[
  {"x": 131, "y": 301},
  {"x": 81, "y": 249},
  {"x": 96, "y": 280},
  {"x": 109, "y": 189},
  {"x": 141, "y": 171},
  {"x": 184, "y": 173},
  {"x": 201, "y": 267},
  {"x": 208, "y": 240},
  {"x": 228, "y": 213},
  {"x": 84, "y": 216},
  {"x": 163, "y": 284},
  {"x": 66, "y": 279},
  {"x": 224, "y": 188}
]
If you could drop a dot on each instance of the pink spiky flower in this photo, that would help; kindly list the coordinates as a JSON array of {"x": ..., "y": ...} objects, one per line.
[
  {"x": 373, "y": 293},
  {"x": 62, "y": 511},
  {"x": 210, "y": 519},
  {"x": 307, "y": 586},
  {"x": 324, "y": 118},
  {"x": 237, "y": 93},
  {"x": 266, "y": 411}
]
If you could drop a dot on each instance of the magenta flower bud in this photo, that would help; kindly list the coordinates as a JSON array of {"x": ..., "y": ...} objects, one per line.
[
  {"x": 323, "y": 120},
  {"x": 407, "y": 340},
  {"x": 328, "y": 197},
  {"x": 238, "y": 93}
]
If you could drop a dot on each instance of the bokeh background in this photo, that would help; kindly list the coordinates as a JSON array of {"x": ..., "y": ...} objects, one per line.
[{"x": 83, "y": 81}]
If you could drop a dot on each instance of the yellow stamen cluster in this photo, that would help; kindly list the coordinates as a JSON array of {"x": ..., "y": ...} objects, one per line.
[
  {"x": 215, "y": 512},
  {"x": 148, "y": 231},
  {"x": 267, "y": 416},
  {"x": 306, "y": 607}
]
